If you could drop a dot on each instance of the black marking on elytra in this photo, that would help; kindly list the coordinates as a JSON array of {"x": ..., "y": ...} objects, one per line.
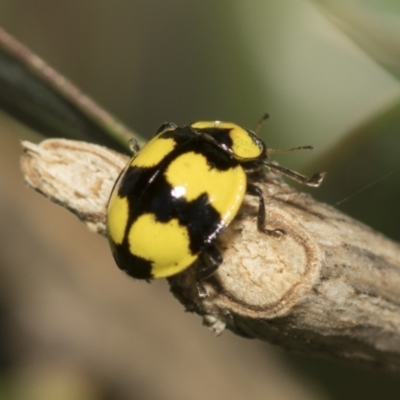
[
  {"x": 148, "y": 191},
  {"x": 133, "y": 265},
  {"x": 220, "y": 135},
  {"x": 202, "y": 220},
  {"x": 135, "y": 181},
  {"x": 189, "y": 141},
  {"x": 180, "y": 135},
  {"x": 216, "y": 158}
]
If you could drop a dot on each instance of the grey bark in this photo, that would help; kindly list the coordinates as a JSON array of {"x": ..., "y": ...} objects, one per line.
[{"x": 329, "y": 286}]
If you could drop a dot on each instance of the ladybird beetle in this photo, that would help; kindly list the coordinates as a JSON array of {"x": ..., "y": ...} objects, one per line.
[{"x": 180, "y": 191}]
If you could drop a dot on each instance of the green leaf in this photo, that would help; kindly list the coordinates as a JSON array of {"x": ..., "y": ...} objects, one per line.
[
  {"x": 37, "y": 95},
  {"x": 374, "y": 25}
]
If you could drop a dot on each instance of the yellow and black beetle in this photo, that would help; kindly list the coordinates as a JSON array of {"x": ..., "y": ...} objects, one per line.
[{"x": 180, "y": 191}]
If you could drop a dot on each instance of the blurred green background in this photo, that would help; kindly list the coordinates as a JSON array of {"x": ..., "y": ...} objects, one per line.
[{"x": 72, "y": 326}]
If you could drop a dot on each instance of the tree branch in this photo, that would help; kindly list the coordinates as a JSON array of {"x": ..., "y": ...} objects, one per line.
[
  {"x": 43, "y": 99},
  {"x": 330, "y": 286}
]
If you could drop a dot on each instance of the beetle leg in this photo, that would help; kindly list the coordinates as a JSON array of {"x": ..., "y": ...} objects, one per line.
[
  {"x": 254, "y": 190},
  {"x": 313, "y": 181},
  {"x": 133, "y": 145},
  {"x": 282, "y": 151},
  {"x": 209, "y": 262}
]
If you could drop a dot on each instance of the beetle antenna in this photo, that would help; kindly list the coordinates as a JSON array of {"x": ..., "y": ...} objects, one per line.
[{"x": 260, "y": 122}]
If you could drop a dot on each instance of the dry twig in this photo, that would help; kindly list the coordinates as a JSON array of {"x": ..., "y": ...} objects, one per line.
[{"x": 329, "y": 286}]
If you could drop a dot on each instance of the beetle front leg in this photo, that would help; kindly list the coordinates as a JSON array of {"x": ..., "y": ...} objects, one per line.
[
  {"x": 208, "y": 263},
  {"x": 254, "y": 190}
]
